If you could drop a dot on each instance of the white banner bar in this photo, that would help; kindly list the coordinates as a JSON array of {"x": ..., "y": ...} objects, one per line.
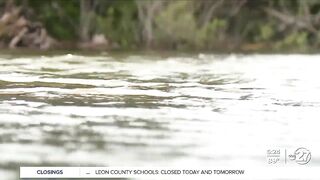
[{"x": 302, "y": 172}]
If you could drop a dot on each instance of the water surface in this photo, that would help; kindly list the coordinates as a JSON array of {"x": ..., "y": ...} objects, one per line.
[{"x": 202, "y": 110}]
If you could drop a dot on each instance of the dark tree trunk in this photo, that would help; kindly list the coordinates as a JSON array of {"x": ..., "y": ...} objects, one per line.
[{"x": 86, "y": 17}]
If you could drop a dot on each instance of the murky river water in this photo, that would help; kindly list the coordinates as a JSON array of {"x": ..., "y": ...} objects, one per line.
[{"x": 201, "y": 110}]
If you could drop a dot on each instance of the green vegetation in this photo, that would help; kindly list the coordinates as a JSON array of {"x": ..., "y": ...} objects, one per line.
[{"x": 231, "y": 25}]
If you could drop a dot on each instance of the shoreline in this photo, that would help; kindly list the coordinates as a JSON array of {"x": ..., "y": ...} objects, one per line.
[{"x": 161, "y": 52}]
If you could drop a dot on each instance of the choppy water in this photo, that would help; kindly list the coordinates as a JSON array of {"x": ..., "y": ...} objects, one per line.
[{"x": 199, "y": 110}]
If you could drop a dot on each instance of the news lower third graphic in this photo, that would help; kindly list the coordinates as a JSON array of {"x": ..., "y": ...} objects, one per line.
[
  {"x": 125, "y": 172},
  {"x": 301, "y": 156},
  {"x": 297, "y": 158}
]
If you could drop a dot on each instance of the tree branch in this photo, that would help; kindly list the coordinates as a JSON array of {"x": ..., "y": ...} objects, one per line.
[{"x": 289, "y": 19}]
